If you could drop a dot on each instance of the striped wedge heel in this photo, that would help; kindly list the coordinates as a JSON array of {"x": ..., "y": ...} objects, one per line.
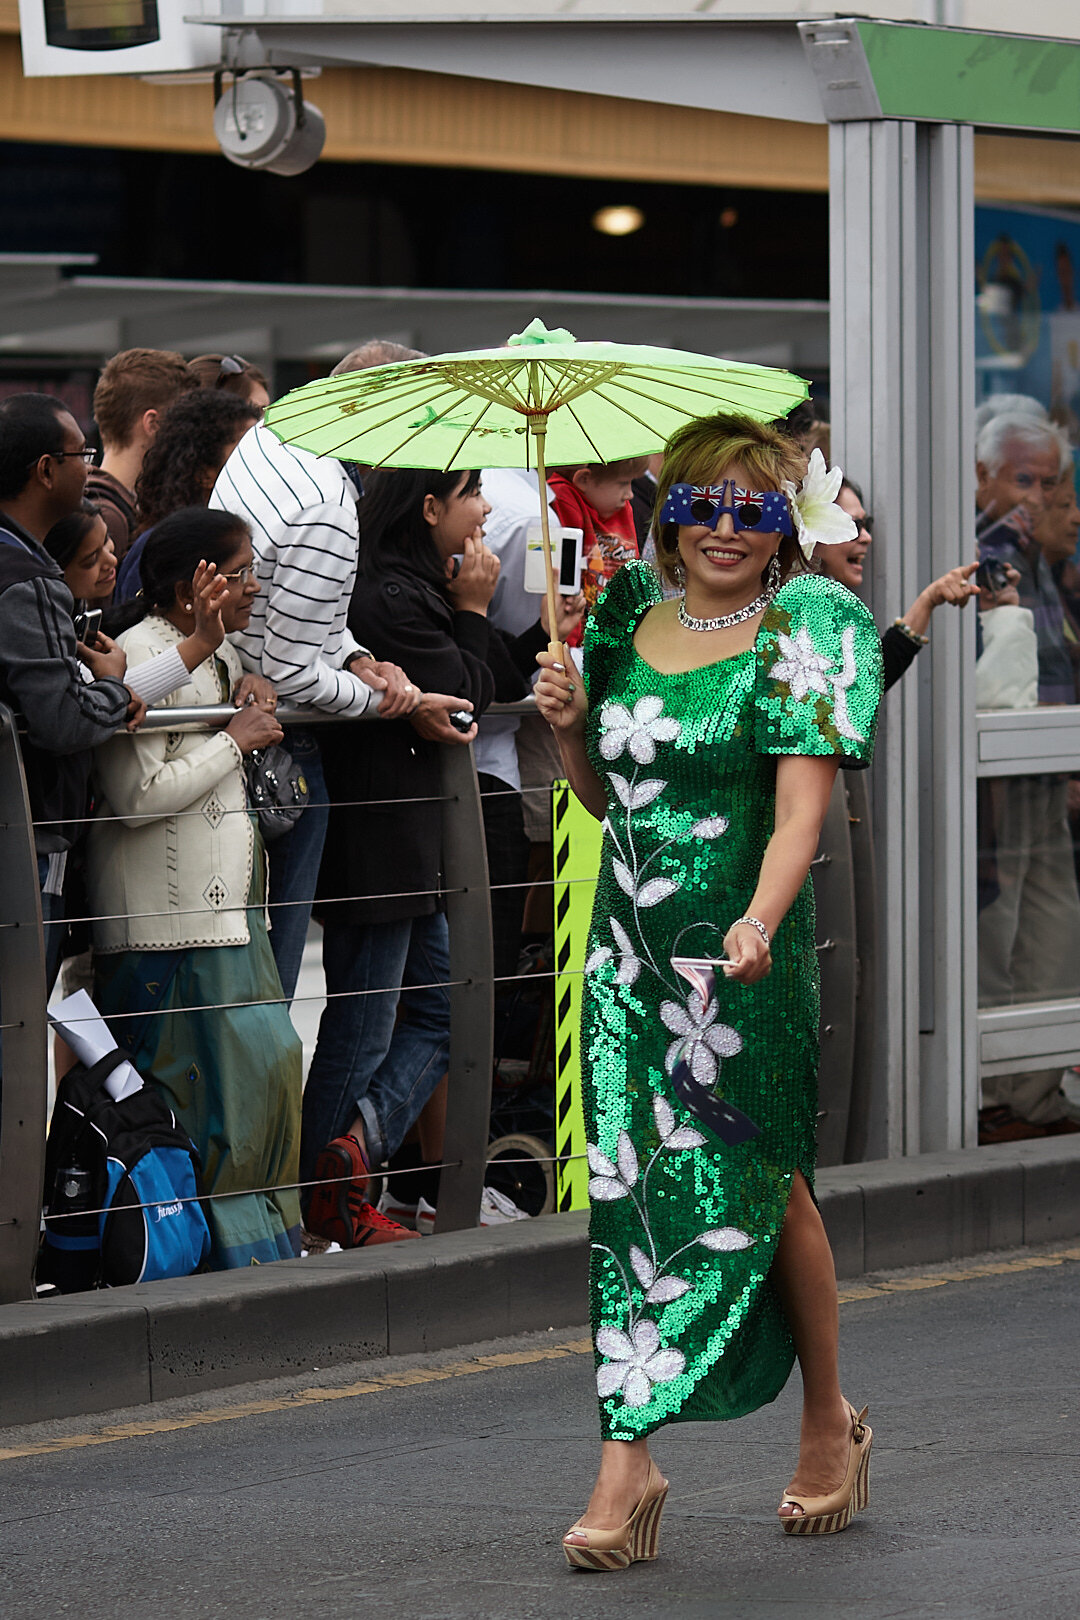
[
  {"x": 636, "y": 1541},
  {"x": 825, "y": 1515}
]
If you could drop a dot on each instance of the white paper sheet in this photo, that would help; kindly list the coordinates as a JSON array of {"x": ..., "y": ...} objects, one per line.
[{"x": 86, "y": 1032}]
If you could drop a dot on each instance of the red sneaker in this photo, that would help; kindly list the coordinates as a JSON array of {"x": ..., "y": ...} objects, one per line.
[
  {"x": 343, "y": 1172},
  {"x": 369, "y": 1226}
]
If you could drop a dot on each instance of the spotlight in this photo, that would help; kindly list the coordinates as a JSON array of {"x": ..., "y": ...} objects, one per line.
[
  {"x": 261, "y": 124},
  {"x": 729, "y": 217},
  {"x": 620, "y": 220}
]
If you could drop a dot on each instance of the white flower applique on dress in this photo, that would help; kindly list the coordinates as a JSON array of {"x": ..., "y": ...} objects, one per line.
[
  {"x": 805, "y": 670},
  {"x": 699, "y": 1039},
  {"x": 636, "y": 1358},
  {"x": 636, "y": 733}
]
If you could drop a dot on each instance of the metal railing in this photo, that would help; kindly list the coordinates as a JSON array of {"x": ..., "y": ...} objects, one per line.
[
  {"x": 23, "y": 1101},
  {"x": 844, "y": 886}
]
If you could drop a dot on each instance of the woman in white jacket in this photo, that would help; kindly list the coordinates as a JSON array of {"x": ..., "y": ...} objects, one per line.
[{"x": 183, "y": 964}]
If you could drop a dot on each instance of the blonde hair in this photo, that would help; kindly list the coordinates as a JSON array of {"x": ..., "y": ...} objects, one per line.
[{"x": 704, "y": 448}]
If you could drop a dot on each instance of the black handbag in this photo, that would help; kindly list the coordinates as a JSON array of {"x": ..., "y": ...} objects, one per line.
[{"x": 277, "y": 790}]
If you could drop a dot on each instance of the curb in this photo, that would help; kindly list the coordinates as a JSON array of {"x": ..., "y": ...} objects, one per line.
[{"x": 88, "y": 1353}]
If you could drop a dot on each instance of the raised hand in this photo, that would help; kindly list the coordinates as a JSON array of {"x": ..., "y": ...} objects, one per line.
[{"x": 471, "y": 589}]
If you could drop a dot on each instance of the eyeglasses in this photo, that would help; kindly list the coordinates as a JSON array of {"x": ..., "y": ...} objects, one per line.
[
  {"x": 230, "y": 365},
  {"x": 86, "y": 454},
  {"x": 704, "y": 504},
  {"x": 240, "y": 576},
  {"x": 866, "y": 524}
]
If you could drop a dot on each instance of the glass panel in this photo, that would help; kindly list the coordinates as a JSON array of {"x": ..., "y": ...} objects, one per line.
[
  {"x": 1029, "y": 897},
  {"x": 1028, "y": 426},
  {"x": 1029, "y": 936}
]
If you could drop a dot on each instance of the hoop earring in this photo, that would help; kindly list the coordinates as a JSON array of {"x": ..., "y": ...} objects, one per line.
[{"x": 772, "y": 573}]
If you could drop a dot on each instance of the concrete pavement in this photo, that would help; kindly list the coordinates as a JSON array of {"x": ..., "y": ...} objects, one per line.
[
  {"x": 436, "y": 1487},
  {"x": 92, "y": 1352}
]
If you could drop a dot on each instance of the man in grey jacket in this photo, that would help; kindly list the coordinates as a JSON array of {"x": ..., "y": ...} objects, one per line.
[{"x": 43, "y": 464}]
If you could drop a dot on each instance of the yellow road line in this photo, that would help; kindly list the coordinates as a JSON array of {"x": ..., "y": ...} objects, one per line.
[{"x": 481, "y": 1364}]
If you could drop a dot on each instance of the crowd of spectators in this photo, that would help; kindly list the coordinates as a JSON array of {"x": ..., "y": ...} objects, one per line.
[{"x": 200, "y": 561}]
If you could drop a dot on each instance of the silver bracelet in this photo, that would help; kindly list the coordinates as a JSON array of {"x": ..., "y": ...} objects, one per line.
[{"x": 755, "y": 922}]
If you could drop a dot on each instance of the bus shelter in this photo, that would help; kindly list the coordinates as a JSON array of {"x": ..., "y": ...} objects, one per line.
[{"x": 922, "y": 326}]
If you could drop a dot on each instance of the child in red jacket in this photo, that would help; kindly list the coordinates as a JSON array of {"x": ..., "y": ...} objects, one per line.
[{"x": 596, "y": 500}]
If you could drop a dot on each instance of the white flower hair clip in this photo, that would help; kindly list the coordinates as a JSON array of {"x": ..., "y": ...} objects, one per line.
[{"x": 819, "y": 521}]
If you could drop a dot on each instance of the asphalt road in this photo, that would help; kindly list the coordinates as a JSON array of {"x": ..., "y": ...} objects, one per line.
[{"x": 437, "y": 1488}]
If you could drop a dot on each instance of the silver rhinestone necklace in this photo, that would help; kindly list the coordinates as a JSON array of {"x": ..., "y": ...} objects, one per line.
[{"x": 725, "y": 620}]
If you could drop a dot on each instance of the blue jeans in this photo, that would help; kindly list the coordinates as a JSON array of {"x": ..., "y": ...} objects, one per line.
[
  {"x": 294, "y": 864},
  {"x": 368, "y": 1061}
]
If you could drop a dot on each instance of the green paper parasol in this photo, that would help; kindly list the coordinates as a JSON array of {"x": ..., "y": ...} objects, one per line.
[{"x": 543, "y": 400}]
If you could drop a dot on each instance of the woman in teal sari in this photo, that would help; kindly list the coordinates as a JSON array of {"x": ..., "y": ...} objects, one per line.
[{"x": 183, "y": 965}]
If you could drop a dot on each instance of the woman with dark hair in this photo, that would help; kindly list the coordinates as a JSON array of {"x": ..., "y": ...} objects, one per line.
[
  {"x": 195, "y": 438},
  {"x": 706, "y": 735},
  {"x": 905, "y": 638},
  {"x": 232, "y": 374},
  {"x": 423, "y": 586},
  {"x": 176, "y": 878},
  {"x": 80, "y": 544}
]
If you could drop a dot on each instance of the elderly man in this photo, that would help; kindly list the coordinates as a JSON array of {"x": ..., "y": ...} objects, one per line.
[
  {"x": 305, "y": 532},
  {"x": 1029, "y": 927}
]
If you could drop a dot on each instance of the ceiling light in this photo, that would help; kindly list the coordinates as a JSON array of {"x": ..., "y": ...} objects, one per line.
[{"x": 620, "y": 220}]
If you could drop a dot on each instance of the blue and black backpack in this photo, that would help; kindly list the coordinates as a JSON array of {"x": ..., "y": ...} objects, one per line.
[{"x": 121, "y": 1187}]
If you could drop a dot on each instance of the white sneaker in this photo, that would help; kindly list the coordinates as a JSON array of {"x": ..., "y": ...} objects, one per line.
[
  {"x": 425, "y": 1218},
  {"x": 397, "y": 1210},
  {"x": 496, "y": 1209}
]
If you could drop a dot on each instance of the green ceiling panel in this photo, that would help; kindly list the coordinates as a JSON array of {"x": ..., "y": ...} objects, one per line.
[{"x": 958, "y": 77}]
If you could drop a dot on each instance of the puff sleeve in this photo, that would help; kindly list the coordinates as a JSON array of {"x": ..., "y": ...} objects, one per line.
[
  {"x": 818, "y": 680},
  {"x": 612, "y": 622}
]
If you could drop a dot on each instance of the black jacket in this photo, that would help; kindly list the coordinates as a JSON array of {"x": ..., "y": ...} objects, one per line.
[
  {"x": 40, "y": 677},
  {"x": 389, "y": 843}
]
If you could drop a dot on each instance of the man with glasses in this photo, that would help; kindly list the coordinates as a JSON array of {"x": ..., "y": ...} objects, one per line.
[{"x": 43, "y": 466}]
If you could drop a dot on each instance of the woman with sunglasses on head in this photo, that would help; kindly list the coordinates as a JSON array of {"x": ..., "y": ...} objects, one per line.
[
  {"x": 905, "y": 638},
  {"x": 706, "y": 734},
  {"x": 232, "y": 374},
  {"x": 195, "y": 439},
  {"x": 176, "y": 876}
]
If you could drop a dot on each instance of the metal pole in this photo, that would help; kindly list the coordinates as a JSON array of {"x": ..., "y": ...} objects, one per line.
[
  {"x": 24, "y": 1044},
  {"x": 472, "y": 1000},
  {"x": 834, "y": 901}
]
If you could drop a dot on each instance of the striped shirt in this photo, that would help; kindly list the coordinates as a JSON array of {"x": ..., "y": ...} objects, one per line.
[{"x": 302, "y": 513}]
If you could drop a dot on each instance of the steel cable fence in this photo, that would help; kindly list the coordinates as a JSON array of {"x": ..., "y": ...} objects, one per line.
[{"x": 465, "y": 893}]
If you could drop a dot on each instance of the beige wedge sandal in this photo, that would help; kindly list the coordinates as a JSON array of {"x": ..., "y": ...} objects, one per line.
[
  {"x": 825, "y": 1515},
  {"x": 636, "y": 1541}
]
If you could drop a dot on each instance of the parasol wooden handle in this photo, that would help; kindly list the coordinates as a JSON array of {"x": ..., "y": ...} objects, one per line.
[{"x": 538, "y": 428}]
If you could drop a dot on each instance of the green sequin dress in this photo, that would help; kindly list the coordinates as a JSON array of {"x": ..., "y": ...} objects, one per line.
[{"x": 684, "y": 1228}]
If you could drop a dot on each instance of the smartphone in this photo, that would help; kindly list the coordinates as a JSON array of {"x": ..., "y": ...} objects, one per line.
[
  {"x": 87, "y": 625},
  {"x": 566, "y": 554}
]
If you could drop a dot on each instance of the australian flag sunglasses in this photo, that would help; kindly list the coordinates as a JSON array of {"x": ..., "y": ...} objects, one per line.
[{"x": 703, "y": 505}]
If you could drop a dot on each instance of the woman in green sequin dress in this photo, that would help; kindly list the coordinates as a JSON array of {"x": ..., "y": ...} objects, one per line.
[{"x": 710, "y": 757}]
